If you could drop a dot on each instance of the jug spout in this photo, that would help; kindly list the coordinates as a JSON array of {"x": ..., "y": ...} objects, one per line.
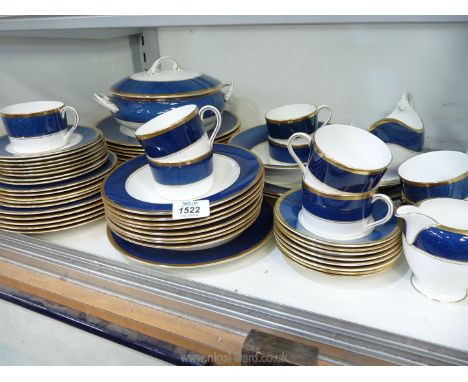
[{"x": 415, "y": 221}]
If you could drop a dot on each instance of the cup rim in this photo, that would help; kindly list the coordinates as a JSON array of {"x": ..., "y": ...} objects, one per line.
[
  {"x": 336, "y": 163},
  {"x": 187, "y": 162},
  {"x": 341, "y": 196},
  {"x": 54, "y": 107},
  {"x": 277, "y": 121},
  {"x": 166, "y": 122}
]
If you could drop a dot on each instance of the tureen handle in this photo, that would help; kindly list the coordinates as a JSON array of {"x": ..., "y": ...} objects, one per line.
[
  {"x": 105, "y": 101},
  {"x": 291, "y": 140},
  {"x": 156, "y": 67},
  {"x": 229, "y": 92}
]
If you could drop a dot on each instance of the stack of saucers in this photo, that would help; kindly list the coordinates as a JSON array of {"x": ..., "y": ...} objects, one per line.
[
  {"x": 56, "y": 189},
  {"x": 121, "y": 139},
  {"x": 337, "y": 223}
]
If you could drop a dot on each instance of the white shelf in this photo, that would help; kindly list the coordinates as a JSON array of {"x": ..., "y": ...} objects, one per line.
[{"x": 115, "y": 26}]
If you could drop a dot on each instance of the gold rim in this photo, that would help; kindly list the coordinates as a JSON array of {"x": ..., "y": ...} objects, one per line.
[
  {"x": 430, "y": 184},
  {"x": 168, "y": 223},
  {"x": 179, "y": 164},
  {"x": 203, "y": 264},
  {"x": 59, "y": 153},
  {"x": 162, "y": 97},
  {"x": 211, "y": 241},
  {"x": 353, "y": 196},
  {"x": 285, "y": 146},
  {"x": 35, "y": 114},
  {"x": 281, "y": 220},
  {"x": 168, "y": 128},
  {"x": 341, "y": 166},
  {"x": 154, "y": 238},
  {"x": 306, "y": 256},
  {"x": 291, "y": 120},
  {"x": 393, "y": 120},
  {"x": 260, "y": 175},
  {"x": 49, "y": 179},
  {"x": 330, "y": 251}
]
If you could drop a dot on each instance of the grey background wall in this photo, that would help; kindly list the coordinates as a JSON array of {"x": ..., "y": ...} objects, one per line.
[{"x": 360, "y": 70}]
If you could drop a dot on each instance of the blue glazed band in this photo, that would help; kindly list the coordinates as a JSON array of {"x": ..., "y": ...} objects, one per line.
[
  {"x": 161, "y": 88},
  {"x": 442, "y": 243},
  {"x": 280, "y": 130},
  {"x": 281, "y": 153},
  {"x": 142, "y": 111},
  {"x": 174, "y": 140},
  {"x": 340, "y": 179},
  {"x": 34, "y": 126},
  {"x": 336, "y": 209},
  {"x": 455, "y": 190},
  {"x": 397, "y": 134},
  {"x": 179, "y": 175}
]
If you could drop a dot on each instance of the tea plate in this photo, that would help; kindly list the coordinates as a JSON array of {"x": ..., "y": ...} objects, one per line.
[
  {"x": 131, "y": 185},
  {"x": 246, "y": 242},
  {"x": 81, "y": 138}
]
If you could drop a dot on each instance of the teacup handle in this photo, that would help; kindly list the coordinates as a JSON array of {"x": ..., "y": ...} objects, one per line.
[
  {"x": 323, "y": 107},
  {"x": 389, "y": 214},
  {"x": 291, "y": 140},
  {"x": 70, "y": 131},
  {"x": 219, "y": 119}
]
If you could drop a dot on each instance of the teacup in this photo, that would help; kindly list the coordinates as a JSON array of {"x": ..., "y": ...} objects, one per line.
[
  {"x": 35, "y": 127},
  {"x": 284, "y": 121},
  {"x": 345, "y": 158},
  {"x": 437, "y": 174},
  {"x": 179, "y": 152},
  {"x": 339, "y": 215},
  {"x": 278, "y": 150}
]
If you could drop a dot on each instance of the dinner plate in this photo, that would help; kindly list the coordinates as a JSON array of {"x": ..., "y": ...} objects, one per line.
[
  {"x": 119, "y": 135},
  {"x": 61, "y": 186},
  {"x": 81, "y": 138},
  {"x": 247, "y": 241},
  {"x": 131, "y": 186},
  {"x": 289, "y": 205}
]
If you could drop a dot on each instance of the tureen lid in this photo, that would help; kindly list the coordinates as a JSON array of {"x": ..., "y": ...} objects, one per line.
[{"x": 157, "y": 83}]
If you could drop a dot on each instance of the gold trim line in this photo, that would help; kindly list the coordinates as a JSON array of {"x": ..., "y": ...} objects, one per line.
[
  {"x": 179, "y": 164},
  {"x": 382, "y": 121},
  {"x": 351, "y": 196},
  {"x": 430, "y": 184},
  {"x": 162, "y": 97},
  {"x": 291, "y": 120},
  {"x": 36, "y": 114}
]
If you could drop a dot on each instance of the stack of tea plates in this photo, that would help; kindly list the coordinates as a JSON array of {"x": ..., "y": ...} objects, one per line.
[
  {"x": 121, "y": 140},
  {"x": 140, "y": 222},
  {"x": 376, "y": 252},
  {"x": 53, "y": 190}
]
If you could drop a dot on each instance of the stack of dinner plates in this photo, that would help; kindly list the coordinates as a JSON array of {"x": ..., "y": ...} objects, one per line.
[
  {"x": 121, "y": 139},
  {"x": 141, "y": 224},
  {"x": 376, "y": 252},
  {"x": 53, "y": 190}
]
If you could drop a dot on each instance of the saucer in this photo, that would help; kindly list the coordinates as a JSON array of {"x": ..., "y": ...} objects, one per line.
[
  {"x": 125, "y": 137},
  {"x": 131, "y": 186},
  {"x": 80, "y": 139},
  {"x": 249, "y": 240},
  {"x": 289, "y": 205}
]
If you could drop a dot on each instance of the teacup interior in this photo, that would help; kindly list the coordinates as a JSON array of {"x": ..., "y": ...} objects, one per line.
[
  {"x": 165, "y": 120},
  {"x": 353, "y": 147},
  {"x": 287, "y": 112},
  {"x": 435, "y": 166},
  {"x": 446, "y": 211},
  {"x": 31, "y": 107}
]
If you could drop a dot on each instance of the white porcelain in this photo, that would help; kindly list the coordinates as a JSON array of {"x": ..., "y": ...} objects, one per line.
[
  {"x": 140, "y": 185},
  {"x": 39, "y": 144},
  {"x": 439, "y": 279},
  {"x": 399, "y": 156},
  {"x": 406, "y": 113},
  {"x": 189, "y": 191},
  {"x": 434, "y": 167}
]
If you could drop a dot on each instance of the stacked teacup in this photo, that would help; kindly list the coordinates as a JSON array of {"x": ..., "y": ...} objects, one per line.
[
  {"x": 284, "y": 121},
  {"x": 179, "y": 152},
  {"x": 340, "y": 181}
]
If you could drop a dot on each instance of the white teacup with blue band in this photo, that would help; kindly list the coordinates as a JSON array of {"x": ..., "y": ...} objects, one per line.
[
  {"x": 437, "y": 174},
  {"x": 345, "y": 158},
  {"x": 338, "y": 215},
  {"x": 179, "y": 152},
  {"x": 35, "y": 127}
]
